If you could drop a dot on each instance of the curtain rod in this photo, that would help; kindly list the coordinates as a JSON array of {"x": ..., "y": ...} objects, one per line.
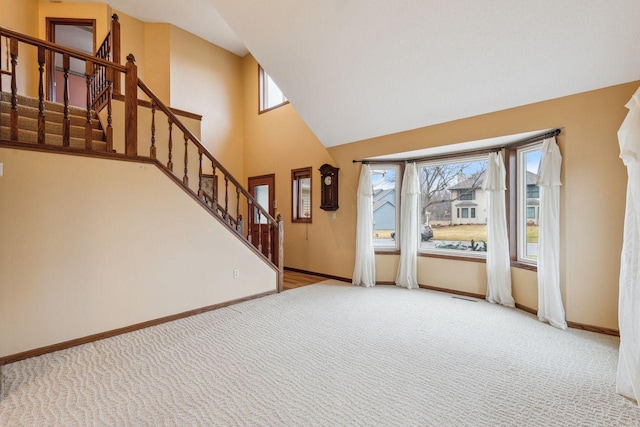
[{"x": 529, "y": 140}]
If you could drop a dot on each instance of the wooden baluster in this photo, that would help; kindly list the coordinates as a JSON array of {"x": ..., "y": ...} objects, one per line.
[
  {"x": 41, "y": 116},
  {"x": 215, "y": 187},
  {"x": 170, "y": 163},
  {"x": 280, "y": 253},
  {"x": 259, "y": 226},
  {"x": 13, "y": 125},
  {"x": 200, "y": 190},
  {"x": 66, "y": 121},
  {"x": 152, "y": 151},
  {"x": 185, "y": 178},
  {"x": 238, "y": 204},
  {"x": 88, "y": 128},
  {"x": 269, "y": 240},
  {"x": 109, "y": 110},
  {"x": 226, "y": 197},
  {"x": 240, "y": 225},
  {"x": 251, "y": 214}
]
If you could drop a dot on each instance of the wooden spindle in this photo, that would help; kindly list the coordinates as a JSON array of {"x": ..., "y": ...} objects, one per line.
[
  {"x": 240, "y": 225},
  {"x": 13, "y": 124},
  {"x": 66, "y": 121},
  {"x": 237, "y": 202},
  {"x": 41, "y": 115},
  {"x": 185, "y": 178},
  {"x": 152, "y": 151},
  {"x": 251, "y": 213},
  {"x": 214, "y": 186},
  {"x": 259, "y": 228},
  {"x": 115, "y": 49},
  {"x": 88, "y": 127},
  {"x": 131, "y": 108},
  {"x": 200, "y": 190},
  {"x": 109, "y": 110},
  {"x": 170, "y": 163},
  {"x": 226, "y": 197},
  {"x": 279, "y": 261},
  {"x": 269, "y": 240}
]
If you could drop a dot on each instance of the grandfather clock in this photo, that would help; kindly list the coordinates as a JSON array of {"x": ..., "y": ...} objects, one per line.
[{"x": 329, "y": 187}]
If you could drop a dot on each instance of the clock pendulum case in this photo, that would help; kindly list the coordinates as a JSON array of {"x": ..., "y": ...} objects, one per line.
[{"x": 329, "y": 187}]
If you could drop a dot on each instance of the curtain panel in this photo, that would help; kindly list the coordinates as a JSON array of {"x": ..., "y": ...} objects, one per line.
[
  {"x": 498, "y": 260},
  {"x": 364, "y": 273},
  {"x": 407, "y": 276},
  {"x": 550, "y": 308}
]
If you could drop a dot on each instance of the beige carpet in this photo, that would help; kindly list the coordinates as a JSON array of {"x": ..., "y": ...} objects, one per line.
[{"x": 329, "y": 355}]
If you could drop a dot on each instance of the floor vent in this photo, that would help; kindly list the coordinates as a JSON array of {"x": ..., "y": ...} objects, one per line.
[{"x": 466, "y": 299}]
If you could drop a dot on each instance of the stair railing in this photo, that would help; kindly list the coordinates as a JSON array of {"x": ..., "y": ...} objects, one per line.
[
  {"x": 46, "y": 49},
  {"x": 182, "y": 155},
  {"x": 174, "y": 148},
  {"x": 109, "y": 50}
]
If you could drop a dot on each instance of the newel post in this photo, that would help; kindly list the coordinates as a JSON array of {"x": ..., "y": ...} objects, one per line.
[
  {"x": 115, "y": 49},
  {"x": 131, "y": 108},
  {"x": 280, "y": 241}
]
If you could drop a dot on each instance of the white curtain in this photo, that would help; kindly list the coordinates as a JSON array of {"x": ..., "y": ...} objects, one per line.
[
  {"x": 364, "y": 272},
  {"x": 408, "y": 269},
  {"x": 498, "y": 261},
  {"x": 628, "y": 382},
  {"x": 550, "y": 307}
]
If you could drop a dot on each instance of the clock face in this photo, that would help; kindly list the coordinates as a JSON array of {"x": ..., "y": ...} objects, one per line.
[{"x": 327, "y": 180}]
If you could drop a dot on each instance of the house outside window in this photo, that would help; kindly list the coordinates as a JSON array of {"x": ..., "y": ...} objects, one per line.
[
  {"x": 271, "y": 97},
  {"x": 385, "y": 183},
  {"x": 528, "y": 203},
  {"x": 454, "y": 205}
]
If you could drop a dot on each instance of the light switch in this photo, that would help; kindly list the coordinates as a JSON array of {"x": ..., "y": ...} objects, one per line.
[{"x": 1, "y": 169}]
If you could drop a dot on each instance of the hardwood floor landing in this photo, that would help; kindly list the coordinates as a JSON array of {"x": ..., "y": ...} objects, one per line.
[{"x": 294, "y": 279}]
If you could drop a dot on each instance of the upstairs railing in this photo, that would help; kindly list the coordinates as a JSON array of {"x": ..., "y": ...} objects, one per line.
[
  {"x": 164, "y": 140},
  {"x": 109, "y": 50}
]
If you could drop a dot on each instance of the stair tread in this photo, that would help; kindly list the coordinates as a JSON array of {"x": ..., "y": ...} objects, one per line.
[
  {"x": 48, "y": 105},
  {"x": 31, "y": 137},
  {"x": 29, "y": 123}
]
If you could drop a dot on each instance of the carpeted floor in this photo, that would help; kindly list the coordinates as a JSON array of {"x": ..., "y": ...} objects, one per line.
[{"x": 329, "y": 355}]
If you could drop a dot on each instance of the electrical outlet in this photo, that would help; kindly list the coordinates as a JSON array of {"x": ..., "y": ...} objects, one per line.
[{"x": 236, "y": 273}]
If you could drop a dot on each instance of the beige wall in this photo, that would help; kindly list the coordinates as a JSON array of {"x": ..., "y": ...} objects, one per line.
[
  {"x": 89, "y": 245},
  {"x": 276, "y": 142},
  {"x": 592, "y": 195},
  {"x": 157, "y": 58},
  {"x": 22, "y": 16},
  {"x": 207, "y": 80}
]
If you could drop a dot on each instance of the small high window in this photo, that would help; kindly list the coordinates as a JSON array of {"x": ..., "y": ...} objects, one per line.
[
  {"x": 301, "y": 195},
  {"x": 271, "y": 97}
]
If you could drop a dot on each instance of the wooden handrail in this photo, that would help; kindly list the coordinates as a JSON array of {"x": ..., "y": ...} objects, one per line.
[
  {"x": 60, "y": 49},
  {"x": 176, "y": 122}
]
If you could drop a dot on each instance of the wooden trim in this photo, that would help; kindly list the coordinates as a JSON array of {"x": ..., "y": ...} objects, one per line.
[
  {"x": 119, "y": 331},
  {"x": 576, "y": 325},
  {"x": 381, "y": 251},
  {"x": 296, "y": 174},
  {"x": 328, "y": 276},
  {"x": 51, "y": 23},
  {"x": 266, "y": 110},
  {"x": 147, "y": 104},
  {"x": 524, "y": 266},
  {"x": 452, "y": 257},
  {"x": 453, "y": 291}
]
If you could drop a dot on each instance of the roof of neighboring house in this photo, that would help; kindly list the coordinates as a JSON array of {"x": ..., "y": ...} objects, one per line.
[
  {"x": 473, "y": 182},
  {"x": 532, "y": 178},
  {"x": 465, "y": 204},
  {"x": 378, "y": 201}
]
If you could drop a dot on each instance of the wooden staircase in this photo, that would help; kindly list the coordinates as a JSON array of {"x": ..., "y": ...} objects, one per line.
[{"x": 54, "y": 119}]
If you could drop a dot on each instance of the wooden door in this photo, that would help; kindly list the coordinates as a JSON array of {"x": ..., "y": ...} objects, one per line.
[
  {"x": 78, "y": 34},
  {"x": 263, "y": 190}
]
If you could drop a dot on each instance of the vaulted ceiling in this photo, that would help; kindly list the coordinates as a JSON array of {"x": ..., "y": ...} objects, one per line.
[{"x": 356, "y": 69}]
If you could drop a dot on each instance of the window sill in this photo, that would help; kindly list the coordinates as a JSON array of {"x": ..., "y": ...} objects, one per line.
[
  {"x": 390, "y": 251},
  {"x": 456, "y": 257},
  {"x": 273, "y": 108},
  {"x": 524, "y": 265}
]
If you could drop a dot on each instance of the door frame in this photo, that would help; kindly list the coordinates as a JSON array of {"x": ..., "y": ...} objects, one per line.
[
  {"x": 51, "y": 36},
  {"x": 270, "y": 181}
]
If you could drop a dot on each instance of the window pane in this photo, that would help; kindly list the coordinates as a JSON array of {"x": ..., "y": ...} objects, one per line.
[
  {"x": 262, "y": 197},
  {"x": 528, "y": 206},
  {"x": 453, "y": 208},
  {"x": 304, "y": 206},
  {"x": 270, "y": 94},
  {"x": 301, "y": 195},
  {"x": 385, "y": 204}
]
